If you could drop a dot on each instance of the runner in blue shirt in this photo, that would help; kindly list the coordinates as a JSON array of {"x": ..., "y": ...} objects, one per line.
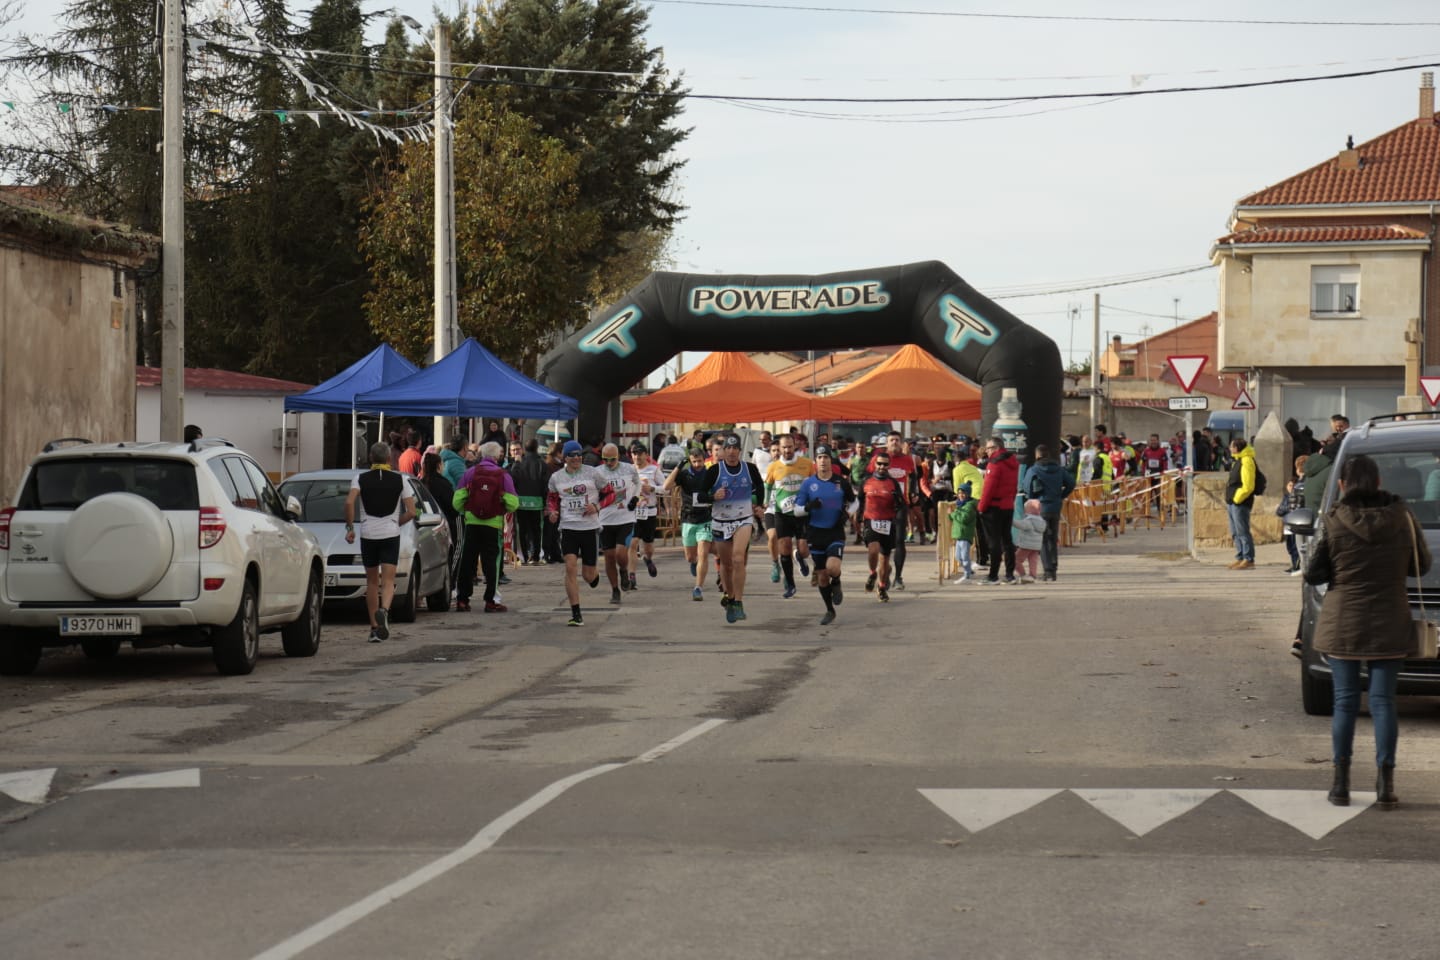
[{"x": 825, "y": 499}]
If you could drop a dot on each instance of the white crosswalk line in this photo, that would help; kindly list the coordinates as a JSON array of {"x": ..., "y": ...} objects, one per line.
[
  {"x": 27, "y": 786},
  {"x": 1141, "y": 811},
  {"x": 1306, "y": 810},
  {"x": 153, "y": 781},
  {"x": 977, "y": 809}
]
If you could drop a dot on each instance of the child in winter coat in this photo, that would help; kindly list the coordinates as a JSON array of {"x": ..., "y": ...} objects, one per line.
[
  {"x": 962, "y": 531},
  {"x": 1028, "y": 531}
]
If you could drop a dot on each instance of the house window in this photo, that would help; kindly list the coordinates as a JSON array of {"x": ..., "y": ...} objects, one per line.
[
  {"x": 1335, "y": 290},
  {"x": 1127, "y": 368}
]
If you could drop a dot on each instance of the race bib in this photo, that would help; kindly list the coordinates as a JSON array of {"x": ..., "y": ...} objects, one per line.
[
  {"x": 725, "y": 530},
  {"x": 881, "y": 527},
  {"x": 573, "y": 507}
]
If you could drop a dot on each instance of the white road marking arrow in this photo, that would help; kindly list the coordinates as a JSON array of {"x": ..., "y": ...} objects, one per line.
[
  {"x": 153, "y": 781},
  {"x": 1141, "y": 811},
  {"x": 1306, "y": 810},
  {"x": 27, "y": 786},
  {"x": 977, "y": 809}
]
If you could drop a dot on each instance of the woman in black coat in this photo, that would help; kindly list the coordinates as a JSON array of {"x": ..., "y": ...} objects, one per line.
[{"x": 1368, "y": 545}]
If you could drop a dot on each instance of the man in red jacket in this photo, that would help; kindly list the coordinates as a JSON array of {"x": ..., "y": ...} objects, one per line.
[{"x": 997, "y": 507}]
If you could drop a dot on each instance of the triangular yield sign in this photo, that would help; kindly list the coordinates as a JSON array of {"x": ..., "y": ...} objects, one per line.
[
  {"x": 1187, "y": 370},
  {"x": 1431, "y": 386},
  {"x": 1243, "y": 401},
  {"x": 1141, "y": 811},
  {"x": 977, "y": 809},
  {"x": 1306, "y": 810},
  {"x": 27, "y": 786},
  {"x": 153, "y": 781}
]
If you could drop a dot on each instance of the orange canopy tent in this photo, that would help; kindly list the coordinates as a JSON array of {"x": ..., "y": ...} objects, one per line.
[
  {"x": 911, "y": 385},
  {"x": 727, "y": 387}
]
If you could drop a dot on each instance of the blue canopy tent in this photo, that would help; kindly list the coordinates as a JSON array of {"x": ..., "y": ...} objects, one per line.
[
  {"x": 376, "y": 369},
  {"x": 469, "y": 382}
]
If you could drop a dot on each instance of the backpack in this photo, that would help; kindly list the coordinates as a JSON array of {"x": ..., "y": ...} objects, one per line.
[
  {"x": 485, "y": 497},
  {"x": 1259, "y": 483}
]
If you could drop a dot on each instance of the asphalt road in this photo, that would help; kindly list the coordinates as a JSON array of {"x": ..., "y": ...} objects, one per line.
[{"x": 1112, "y": 766}]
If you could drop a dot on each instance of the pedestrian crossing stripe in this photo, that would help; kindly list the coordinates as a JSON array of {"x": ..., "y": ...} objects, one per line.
[
  {"x": 1141, "y": 811},
  {"x": 977, "y": 809},
  {"x": 153, "y": 781},
  {"x": 27, "y": 786}
]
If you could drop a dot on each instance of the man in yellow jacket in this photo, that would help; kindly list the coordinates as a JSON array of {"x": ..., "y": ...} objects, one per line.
[{"x": 1240, "y": 494}]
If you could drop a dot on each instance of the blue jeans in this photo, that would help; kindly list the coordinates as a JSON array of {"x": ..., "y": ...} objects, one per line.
[
  {"x": 1384, "y": 674},
  {"x": 962, "y": 557},
  {"x": 1240, "y": 530}
]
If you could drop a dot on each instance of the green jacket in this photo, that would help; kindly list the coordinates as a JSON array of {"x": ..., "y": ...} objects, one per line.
[{"x": 962, "y": 520}]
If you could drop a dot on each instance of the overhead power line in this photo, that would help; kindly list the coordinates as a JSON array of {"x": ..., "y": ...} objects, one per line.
[
  {"x": 1017, "y": 293},
  {"x": 1063, "y": 18},
  {"x": 1012, "y": 98}
]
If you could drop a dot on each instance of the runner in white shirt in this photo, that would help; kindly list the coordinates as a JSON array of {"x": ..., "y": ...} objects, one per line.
[
  {"x": 647, "y": 511},
  {"x": 617, "y": 518},
  {"x": 576, "y": 492}
]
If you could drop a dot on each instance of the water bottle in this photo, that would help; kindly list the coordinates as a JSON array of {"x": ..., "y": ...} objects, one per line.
[{"x": 1008, "y": 425}]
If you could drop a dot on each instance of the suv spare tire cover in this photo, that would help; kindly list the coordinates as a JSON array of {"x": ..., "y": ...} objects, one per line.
[{"x": 118, "y": 545}]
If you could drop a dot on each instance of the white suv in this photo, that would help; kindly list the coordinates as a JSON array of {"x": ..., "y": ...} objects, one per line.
[{"x": 155, "y": 543}]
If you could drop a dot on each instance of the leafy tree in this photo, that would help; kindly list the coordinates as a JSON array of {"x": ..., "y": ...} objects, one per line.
[{"x": 521, "y": 232}]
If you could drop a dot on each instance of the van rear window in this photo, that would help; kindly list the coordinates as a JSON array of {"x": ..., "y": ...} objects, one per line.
[{"x": 66, "y": 484}]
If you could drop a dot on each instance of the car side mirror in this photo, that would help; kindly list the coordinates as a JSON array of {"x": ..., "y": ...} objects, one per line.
[
  {"x": 292, "y": 508},
  {"x": 1300, "y": 522}
]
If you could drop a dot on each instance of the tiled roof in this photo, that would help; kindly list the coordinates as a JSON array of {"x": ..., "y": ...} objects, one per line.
[
  {"x": 201, "y": 378},
  {"x": 1323, "y": 234},
  {"x": 1401, "y": 166},
  {"x": 833, "y": 369}
]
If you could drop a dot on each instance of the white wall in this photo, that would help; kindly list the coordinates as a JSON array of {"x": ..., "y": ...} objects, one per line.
[{"x": 246, "y": 420}]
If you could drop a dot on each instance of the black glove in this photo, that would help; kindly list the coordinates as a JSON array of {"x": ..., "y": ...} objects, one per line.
[
  {"x": 631, "y": 504},
  {"x": 812, "y": 505}
]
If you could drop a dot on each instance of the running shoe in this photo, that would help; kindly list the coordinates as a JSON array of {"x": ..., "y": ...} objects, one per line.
[
  {"x": 615, "y": 595},
  {"x": 624, "y": 580},
  {"x": 649, "y": 568},
  {"x": 725, "y": 600},
  {"x": 837, "y": 596},
  {"x": 374, "y": 637},
  {"x": 576, "y": 621},
  {"x": 737, "y": 608},
  {"x": 729, "y": 613},
  {"x": 632, "y": 581},
  {"x": 775, "y": 571},
  {"x": 884, "y": 594},
  {"x": 1010, "y": 581},
  {"x": 504, "y": 580},
  {"x": 828, "y": 619},
  {"x": 870, "y": 582},
  {"x": 899, "y": 583},
  {"x": 382, "y": 623},
  {"x": 697, "y": 594},
  {"x": 789, "y": 592},
  {"x": 804, "y": 566}
]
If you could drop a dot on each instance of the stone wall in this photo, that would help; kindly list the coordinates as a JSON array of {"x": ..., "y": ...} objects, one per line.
[
  {"x": 67, "y": 356},
  {"x": 1212, "y": 523}
]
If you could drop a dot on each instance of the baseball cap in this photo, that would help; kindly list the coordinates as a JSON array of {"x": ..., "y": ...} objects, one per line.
[
  {"x": 731, "y": 441},
  {"x": 823, "y": 450},
  {"x": 571, "y": 448}
]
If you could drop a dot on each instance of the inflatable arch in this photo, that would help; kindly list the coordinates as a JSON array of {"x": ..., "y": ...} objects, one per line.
[{"x": 926, "y": 304}]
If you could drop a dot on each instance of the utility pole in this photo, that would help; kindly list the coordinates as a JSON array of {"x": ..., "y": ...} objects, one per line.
[
  {"x": 172, "y": 229},
  {"x": 444, "y": 209},
  {"x": 1095, "y": 368}
]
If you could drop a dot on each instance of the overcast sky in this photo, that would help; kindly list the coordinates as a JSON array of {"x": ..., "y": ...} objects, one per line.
[{"x": 1047, "y": 194}]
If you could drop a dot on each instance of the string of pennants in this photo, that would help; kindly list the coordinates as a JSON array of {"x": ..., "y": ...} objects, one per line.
[{"x": 285, "y": 115}]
